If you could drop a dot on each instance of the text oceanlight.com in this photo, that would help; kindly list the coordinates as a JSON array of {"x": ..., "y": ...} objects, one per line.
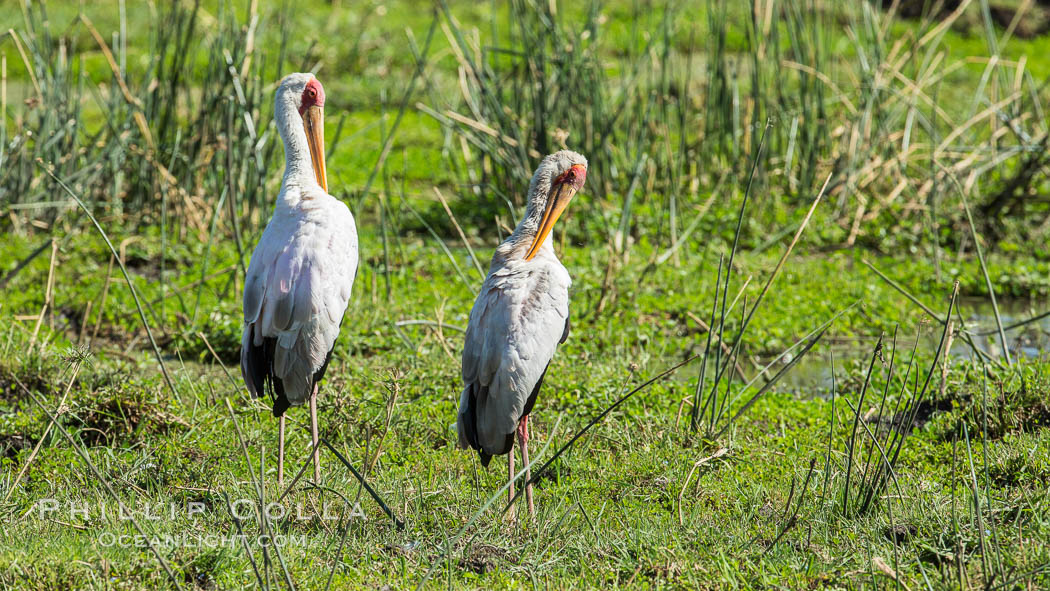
[{"x": 201, "y": 541}]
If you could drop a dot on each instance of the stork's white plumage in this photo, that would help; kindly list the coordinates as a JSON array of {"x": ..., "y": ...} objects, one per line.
[
  {"x": 520, "y": 316},
  {"x": 303, "y": 268}
]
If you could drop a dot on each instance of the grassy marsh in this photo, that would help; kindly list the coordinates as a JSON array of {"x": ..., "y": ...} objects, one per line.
[{"x": 685, "y": 110}]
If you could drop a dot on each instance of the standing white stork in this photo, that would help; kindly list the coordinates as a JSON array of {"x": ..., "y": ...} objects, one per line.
[
  {"x": 520, "y": 316},
  {"x": 302, "y": 270}
]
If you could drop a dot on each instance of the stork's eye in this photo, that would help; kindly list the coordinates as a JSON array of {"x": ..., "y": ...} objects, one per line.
[{"x": 311, "y": 92}]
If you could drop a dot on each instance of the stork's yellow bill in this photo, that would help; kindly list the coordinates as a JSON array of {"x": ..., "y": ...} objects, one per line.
[{"x": 312, "y": 112}]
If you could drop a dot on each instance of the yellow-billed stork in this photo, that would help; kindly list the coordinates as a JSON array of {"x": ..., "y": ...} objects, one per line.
[
  {"x": 303, "y": 268},
  {"x": 520, "y": 316}
]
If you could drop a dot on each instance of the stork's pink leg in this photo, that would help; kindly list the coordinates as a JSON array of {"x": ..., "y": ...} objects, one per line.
[
  {"x": 313, "y": 433},
  {"x": 280, "y": 454},
  {"x": 523, "y": 439},
  {"x": 510, "y": 479}
]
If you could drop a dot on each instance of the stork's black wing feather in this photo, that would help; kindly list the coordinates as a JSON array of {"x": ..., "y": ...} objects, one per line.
[
  {"x": 260, "y": 368},
  {"x": 469, "y": 422}
]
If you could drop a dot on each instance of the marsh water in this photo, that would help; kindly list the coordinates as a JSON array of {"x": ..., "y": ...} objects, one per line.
[{"x": 813, "y": 376}]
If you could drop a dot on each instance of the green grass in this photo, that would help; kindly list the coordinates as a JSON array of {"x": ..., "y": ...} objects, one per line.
[
  {"x": 641, "y": 499},
  {"x": 610, "y": 511}
]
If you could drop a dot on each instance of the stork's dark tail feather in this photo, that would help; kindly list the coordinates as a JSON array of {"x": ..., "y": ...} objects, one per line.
[
  {"x": 468, "y": 422},
  {"x": 280, "y": 403},
  {"x": 258, "y": 373}
]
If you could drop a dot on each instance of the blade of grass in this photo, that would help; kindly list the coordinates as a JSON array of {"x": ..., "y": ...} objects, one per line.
[
  {"x": 768, "y": 385},
  {"x": 481, "y": 510},
  {"x": 105, "y": 484},
  {"x": 594, "y": 421},
  {"x": 400, "y": 525},
  {"x": 987, "y": 279},
  {"x": 123, "y": 269}
]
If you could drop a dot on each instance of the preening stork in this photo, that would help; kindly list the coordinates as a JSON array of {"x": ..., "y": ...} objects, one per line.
[
  {"x": 302, "y": 270},
  {"x": 520, "y": 316}
]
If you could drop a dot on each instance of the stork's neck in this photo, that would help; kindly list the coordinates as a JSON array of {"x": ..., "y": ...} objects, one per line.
[
  {"x": 298, "y": 168},
  {"x": 521, "y": 239}
]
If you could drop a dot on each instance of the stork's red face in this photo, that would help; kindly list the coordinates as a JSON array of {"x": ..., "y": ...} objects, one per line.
[
  {"x": 313, "y": 95},
  {"x": 563, "y": 188},
  {"x": 311, "y": 109}
]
